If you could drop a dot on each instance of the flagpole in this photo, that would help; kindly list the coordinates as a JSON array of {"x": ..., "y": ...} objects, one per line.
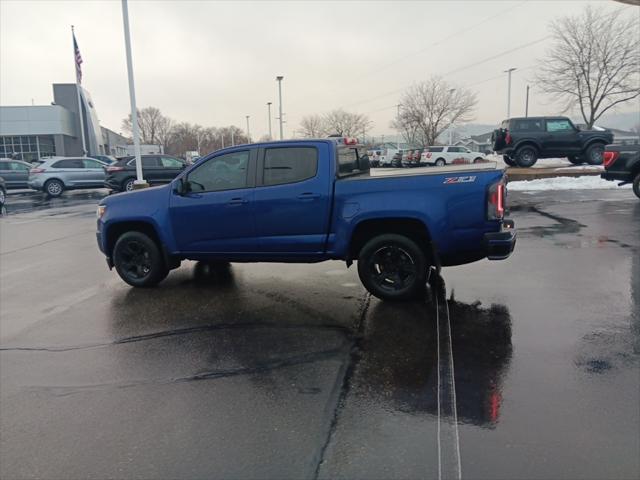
[
  {"x": 75, "y": 62},
  {"x": 139, "y": 182}
]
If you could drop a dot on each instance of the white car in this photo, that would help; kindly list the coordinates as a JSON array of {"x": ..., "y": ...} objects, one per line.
[{"x": 449, "y": 155}]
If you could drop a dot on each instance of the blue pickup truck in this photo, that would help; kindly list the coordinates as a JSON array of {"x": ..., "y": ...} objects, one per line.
[{"x": 305, "y": 201}]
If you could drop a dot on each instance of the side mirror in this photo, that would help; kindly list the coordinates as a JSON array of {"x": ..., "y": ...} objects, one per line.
[{"x": 180, "y": 186}]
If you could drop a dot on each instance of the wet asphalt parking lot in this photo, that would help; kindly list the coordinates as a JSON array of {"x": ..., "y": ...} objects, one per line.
[{"x": 527, "y": 368}]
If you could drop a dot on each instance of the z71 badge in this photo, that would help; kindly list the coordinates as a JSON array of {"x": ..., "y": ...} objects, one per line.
[{"x": 467, "y": 179}]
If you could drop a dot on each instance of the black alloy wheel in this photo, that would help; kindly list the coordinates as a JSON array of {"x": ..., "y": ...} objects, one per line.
[
  {"x": 138, "y": 260},
  {"x": 392, "y": 267},
  {"x": 526, "y": 156},
  {"x": 595, "y": 154}
]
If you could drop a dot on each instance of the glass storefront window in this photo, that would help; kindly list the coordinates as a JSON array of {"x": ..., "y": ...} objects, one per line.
[{"x": 26, "y": 147}]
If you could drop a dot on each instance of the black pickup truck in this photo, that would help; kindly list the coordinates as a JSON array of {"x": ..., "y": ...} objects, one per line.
[
  {"x": 622, "y": 163},
  {"x": 522, "y": 141}
]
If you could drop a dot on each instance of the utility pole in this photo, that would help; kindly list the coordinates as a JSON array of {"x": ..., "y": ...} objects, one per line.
[
  {"x": 139, "y": 182},
  {"x": 222, "y": 139},
  {"x": 279, "y": 79},
  {"x": 508, "y": 72},
  {"x": 526, "y": 108},
  {"x": 232, "y": 139},
  {"x": 269, "y": 113},
  {"x": 248, "y": 131}
]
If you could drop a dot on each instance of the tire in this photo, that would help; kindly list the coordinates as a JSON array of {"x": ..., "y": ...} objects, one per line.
[
  {"x": 441, "y": 162},
  {"x": 392, "y": 267},
  {"x": 636, "y": 185},
  {"x": 53, "y": 187},
  {"x": 509, "y": 161},
  {"x": 576, "y": 160},
  {"x": 526, "y": 156},
  {"x": 594, "y": 154},
  {"x": 478, "y": 160},
  {"x": 3, "y": 197},
  {"x": 138, "y": 260},
  {"x": 127, "y": 185}
]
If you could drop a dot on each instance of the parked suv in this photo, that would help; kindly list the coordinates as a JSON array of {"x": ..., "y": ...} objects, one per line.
[
  {"x": 15, "y": 173},
  {"x": 156, "y": 169},
  {"x": 55, "y": 175},
  {"x": 522, "y": 141}
]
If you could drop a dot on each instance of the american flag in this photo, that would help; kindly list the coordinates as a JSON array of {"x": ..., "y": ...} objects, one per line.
[{"x": 76, "y": 52}]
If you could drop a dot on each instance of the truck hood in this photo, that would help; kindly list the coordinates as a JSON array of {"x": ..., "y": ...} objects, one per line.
[{"x": 150, "y": 196}]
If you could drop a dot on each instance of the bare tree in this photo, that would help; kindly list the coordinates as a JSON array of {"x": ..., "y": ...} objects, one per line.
[
  {"x": 312, "y": 126},
  {"x": 344, "y": 123},
  {"x": 594, "y": 63},
  {"x": 430, "y": 107},
  {"x": 164, "y": 131},
  {"x": 151, "y": 123}
]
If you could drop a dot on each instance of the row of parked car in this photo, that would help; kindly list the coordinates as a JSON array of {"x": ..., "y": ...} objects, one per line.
[
  {"x": 386, "y": 156},
  {"x": 54, "y": 175}
]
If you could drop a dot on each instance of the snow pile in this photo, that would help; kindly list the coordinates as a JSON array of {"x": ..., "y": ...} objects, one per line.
[{"x": 564, "y": 183}]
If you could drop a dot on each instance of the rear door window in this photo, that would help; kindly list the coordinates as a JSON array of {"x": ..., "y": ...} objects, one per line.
[
  {"x": 170, "y": 162},
  {"x": 434, "y": 149},
  {"x": 92, "y": 164},
  {"x": 289, "y": 165},
  {"x": 69, "y": 163},
  {"x": 527, "y": 125}
]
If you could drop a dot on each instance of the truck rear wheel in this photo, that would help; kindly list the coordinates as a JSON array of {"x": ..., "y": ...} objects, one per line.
[
  {"x": 509, "y": 161},
  {"x": 138, "y": 260},
  {"x": 636, "y": 185},
  {"x": 392, "y": 267},
  {"x": 576, "y": 160}
]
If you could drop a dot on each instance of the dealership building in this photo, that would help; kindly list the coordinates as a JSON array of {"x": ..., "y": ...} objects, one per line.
[{"x": 32, "y": 132}]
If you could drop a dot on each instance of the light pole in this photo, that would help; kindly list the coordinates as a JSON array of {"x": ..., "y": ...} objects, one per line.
[
  {"x": 232, "y": 135},
  {"x": 451, "y": 126},
  {"x": 269, "y": 113},
  {"x": 508, "y": 72},
  {"x": 279, "y": 79},
  {"x": 526, "y": 107},
  {"x": 139, "y": 182},
  {"x": 222, "y": 139},
  {"x": 248, "y": 131}
]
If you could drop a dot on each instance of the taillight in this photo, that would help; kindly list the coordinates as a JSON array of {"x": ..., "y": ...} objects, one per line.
[
  {"x": 609, "y": 158},
  {"x": 496, "y": 201},
  {"x": 114, "y": 169},
  {"x": 507, "y": 138},
  {"x": 36, "y": 170}
]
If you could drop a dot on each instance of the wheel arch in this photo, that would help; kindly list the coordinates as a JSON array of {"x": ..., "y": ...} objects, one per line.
[
  {"x": 54, "y": 178},
  {"x": 526, "y": 143},
  {"x": 114, "y": 231},
  {"x": 413, "y": 228},
  {"x": 592, "y": 142}
]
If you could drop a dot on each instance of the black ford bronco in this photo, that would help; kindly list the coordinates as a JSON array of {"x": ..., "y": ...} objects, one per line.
[{"x": 522, "y": 141}]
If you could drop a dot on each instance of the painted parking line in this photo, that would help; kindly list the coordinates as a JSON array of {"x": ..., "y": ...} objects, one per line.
[{"x": 449, "y": 464}]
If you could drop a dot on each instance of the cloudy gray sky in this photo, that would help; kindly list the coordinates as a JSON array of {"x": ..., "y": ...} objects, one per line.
[{"x": 213, "y": 62}]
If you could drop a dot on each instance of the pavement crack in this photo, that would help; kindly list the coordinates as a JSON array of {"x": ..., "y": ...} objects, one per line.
[
  {"x": 270, "y": 365},
  {"x": 346, "y": 374},
  {"x": 181, "y": 331}
]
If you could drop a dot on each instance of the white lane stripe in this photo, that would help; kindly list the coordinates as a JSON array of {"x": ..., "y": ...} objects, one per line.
[
  {"x": 446, "y": 371},
  {"x": 455, "y": 401}
]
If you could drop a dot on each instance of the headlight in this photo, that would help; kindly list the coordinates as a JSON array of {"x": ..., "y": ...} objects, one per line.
[{"x": 101, "y": 210}]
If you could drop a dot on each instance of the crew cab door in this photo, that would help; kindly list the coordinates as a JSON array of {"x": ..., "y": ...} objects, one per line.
[
  {"x": 293, "y": 198},
  {"x": 561, "y": 137},
  {"x": 214, "y": 212}
]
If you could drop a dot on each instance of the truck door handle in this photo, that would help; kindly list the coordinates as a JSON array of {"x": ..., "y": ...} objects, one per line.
[
  {"x": 308, "y": 196},
  {"x": 237, "y": 201}
]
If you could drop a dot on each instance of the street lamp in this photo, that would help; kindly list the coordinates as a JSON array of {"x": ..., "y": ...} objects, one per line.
[
  {"x": 508, "y": 72},
  {"x": 451, "y": 90},
  {"x": 269, "y": 113},
  {"x": 248, "y": 131},
  {"x": 279, "y": 79}
]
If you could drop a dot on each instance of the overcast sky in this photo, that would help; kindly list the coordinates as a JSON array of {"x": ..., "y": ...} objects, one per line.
[{"x": 213, "y": 62}]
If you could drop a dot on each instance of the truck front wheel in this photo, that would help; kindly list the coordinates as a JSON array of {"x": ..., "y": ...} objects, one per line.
[
  {"x": 636, "y": 185},
  {"x": 138, "y": 260},
  {"x": 392, "y": 267}
]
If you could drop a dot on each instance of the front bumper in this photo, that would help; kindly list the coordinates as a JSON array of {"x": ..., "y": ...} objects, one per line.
[{"x": 499, "y": 245}]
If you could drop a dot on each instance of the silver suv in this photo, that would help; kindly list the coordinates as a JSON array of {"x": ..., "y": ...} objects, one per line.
[{"x": 55, "y": 175}]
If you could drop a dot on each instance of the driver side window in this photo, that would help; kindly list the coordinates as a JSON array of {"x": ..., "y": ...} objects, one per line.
[{"x": 226, "y": 172}]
